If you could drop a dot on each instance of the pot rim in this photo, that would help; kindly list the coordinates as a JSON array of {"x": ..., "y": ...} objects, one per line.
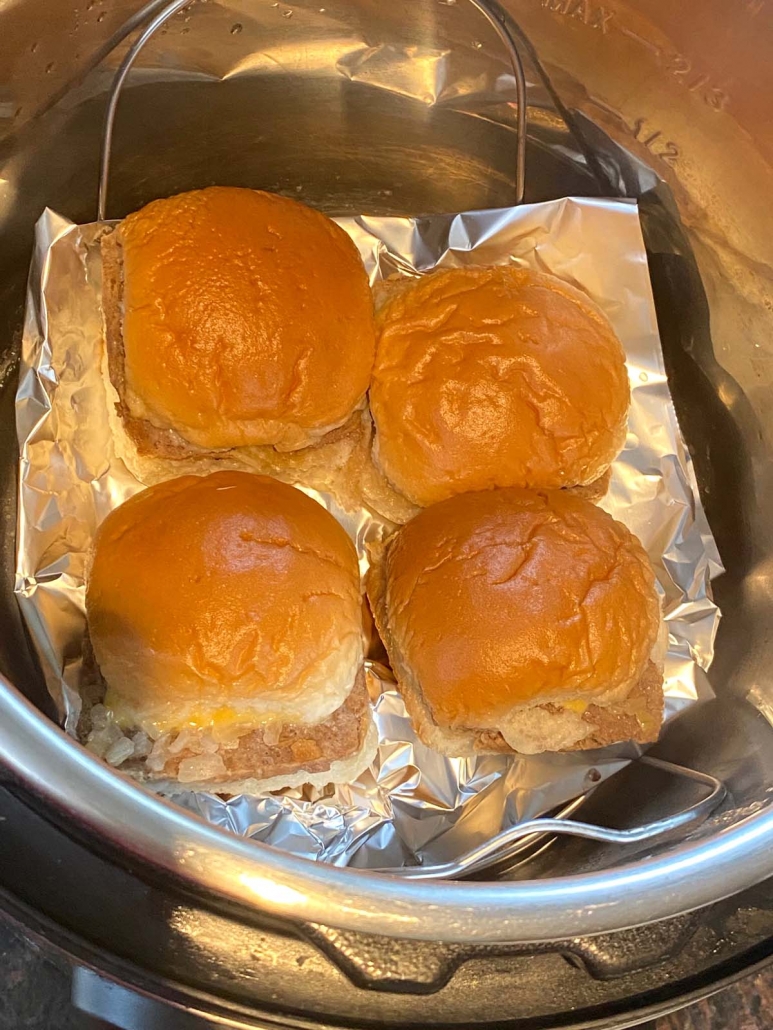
[{"x": 109, "y": 804}]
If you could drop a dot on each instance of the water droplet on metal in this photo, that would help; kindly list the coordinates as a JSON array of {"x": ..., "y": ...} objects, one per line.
[
  {"x": 33, "y": 48},
  {"x": 49, "y": 68},
  {"x": 236, "y": 28},
  {"x": 287, "y": 14},
  {"x": 477, "y": 44},
  {"x": 644, "y": 377},
  {"x": 101, "y": 17}
]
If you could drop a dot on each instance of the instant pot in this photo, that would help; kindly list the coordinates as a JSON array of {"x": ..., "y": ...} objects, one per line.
[{"x": 169, "y": 921}]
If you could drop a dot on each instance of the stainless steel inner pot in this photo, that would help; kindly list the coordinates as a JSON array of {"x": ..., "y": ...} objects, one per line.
[{"x": 670, "y": 103}]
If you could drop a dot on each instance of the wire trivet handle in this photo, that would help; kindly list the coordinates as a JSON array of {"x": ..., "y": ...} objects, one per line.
[
  {"x": 497, "y": 848},
  {"x": 490, "y": 9}
]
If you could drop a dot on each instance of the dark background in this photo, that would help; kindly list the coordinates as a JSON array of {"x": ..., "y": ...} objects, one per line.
[{"x": 35, "y": 990}]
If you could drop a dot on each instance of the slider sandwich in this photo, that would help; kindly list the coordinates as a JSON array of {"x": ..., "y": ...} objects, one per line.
[
  {"x": 518, "y": 621},
  {"x": 225, "y": 617}
]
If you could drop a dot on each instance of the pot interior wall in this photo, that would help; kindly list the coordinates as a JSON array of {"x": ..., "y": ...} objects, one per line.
[{"x": 315, "y": 122}]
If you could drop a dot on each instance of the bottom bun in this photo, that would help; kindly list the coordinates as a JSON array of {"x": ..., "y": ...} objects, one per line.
[
  {"x": 271, "y": 758},
  {"x": 341, "y": 770},
  {"x": 572, "y": 726}
]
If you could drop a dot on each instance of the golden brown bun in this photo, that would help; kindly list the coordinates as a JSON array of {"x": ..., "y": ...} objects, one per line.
[
  {"x": 235, "y": 317},
  {"x": 228, "y": 601},
  {"x": 493, "y": 377},
  {"x": 520, "y": 621}
]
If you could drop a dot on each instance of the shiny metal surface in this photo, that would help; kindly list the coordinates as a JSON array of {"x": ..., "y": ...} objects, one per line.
[
  {"x": 686, "y": 91},
  {"x": 490, "y": 9},
  {"x": 505, "y": 844},
  {"x": 157, "y": 20},
  {"x": 294, "y": 889},
  {"x": 188, "y": 953},
  {"x": 501, "y": 22}
]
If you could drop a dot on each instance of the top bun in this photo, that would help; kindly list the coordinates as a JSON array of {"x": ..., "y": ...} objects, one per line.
[
  {"x": 247, "y": 319},
  {"x": 494, "y": 602},
  {"x": 229, "y": 600},
  {"x": 494, "y": 377}
]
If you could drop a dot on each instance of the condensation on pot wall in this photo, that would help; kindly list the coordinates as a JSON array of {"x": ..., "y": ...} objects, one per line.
[{"x": 412, "y": 805}]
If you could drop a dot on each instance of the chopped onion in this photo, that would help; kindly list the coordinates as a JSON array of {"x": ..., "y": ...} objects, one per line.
[
  {"x": 186, "y": 740},
  {"x": 201, "y": 768},
  {"x": 208, "y": 744},
  {"x": 272, "y": 733},
  {"x": 100, "y": 741},
  {"x": 143, "y": 745},
  {"x": 119, "y": 752},
  {"x": 156, "y": 760},
  {"x": 100, "y": 718}
]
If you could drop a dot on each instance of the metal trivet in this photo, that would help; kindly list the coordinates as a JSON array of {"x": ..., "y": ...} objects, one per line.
[
  {"x": 513, "y": 841},
  {"x": 490, "y": 9}
]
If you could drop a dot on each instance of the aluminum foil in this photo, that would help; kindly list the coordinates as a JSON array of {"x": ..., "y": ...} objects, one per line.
[{"x": 412, "y": 805}]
